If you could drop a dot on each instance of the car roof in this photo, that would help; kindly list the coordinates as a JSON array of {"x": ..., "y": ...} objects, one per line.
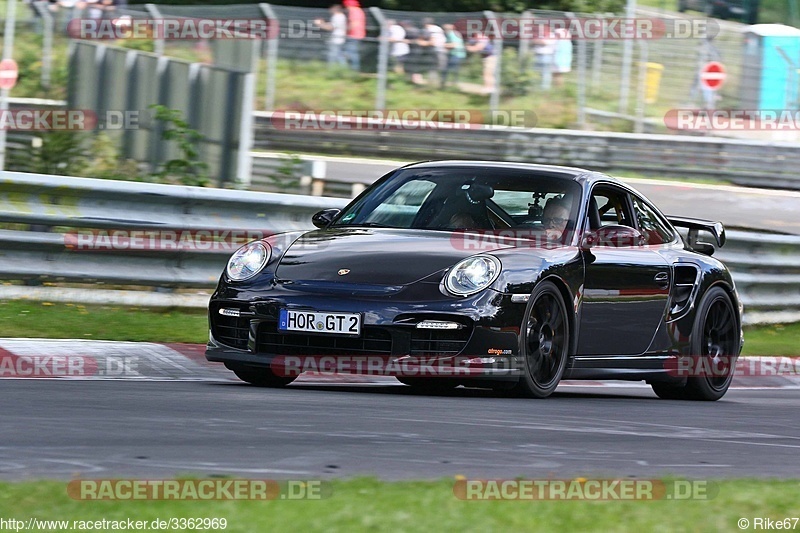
[{"x": 583, "y": 176}]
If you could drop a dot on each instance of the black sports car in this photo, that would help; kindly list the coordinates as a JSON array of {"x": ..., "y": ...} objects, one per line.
[{"x": 502, "y": 275}]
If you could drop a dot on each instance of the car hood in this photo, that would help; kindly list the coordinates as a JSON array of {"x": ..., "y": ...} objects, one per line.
[{"x": 372, "y": 256}]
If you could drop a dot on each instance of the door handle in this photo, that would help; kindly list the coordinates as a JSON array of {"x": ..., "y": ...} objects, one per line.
[{"x": 662, "y": 280}]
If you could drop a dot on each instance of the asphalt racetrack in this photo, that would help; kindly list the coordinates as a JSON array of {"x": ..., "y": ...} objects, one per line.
[{"x": 61, "y": 428}]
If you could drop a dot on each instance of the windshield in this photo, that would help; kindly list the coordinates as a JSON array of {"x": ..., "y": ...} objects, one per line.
[{"x": 463, "y": 198}]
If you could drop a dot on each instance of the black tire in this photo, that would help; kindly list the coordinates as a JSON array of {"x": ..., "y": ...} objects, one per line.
[
  {"x": 260, "y": 377},
  {"x": 714, "y": 338},
  {"x": 429, "y": 384},
  {"x": 544, "y": 342}
]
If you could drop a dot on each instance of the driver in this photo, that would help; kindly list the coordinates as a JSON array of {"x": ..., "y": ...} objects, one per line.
[
  {"x": 555, "y": 218},
  {"x": 462, "y": 221}
]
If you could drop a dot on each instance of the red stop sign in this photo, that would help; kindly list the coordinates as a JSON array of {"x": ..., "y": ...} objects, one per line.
[
  {"x": 8, "y": 73},
  {"x": 712, "y": 75}
]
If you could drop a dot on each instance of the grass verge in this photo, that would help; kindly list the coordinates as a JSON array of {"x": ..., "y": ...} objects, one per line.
[
  {"x": 372, "y": 505},
  {"x": 777, "y": 339},
  {"x": 71, "y": 321}
]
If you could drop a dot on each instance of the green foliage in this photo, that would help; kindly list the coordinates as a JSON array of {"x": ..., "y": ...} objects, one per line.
[
  {"x": 57, "y": 152},
  {"x": 105, "y": 161},
  {"x": 143, "y": 45},
  {"x": 517, "y": 73},
  {"x": 288, "y": 174},
  {"x": 66, "y": 153},
  {"x": 28, "y": 54},
  {"x": 189, "y": 169}
]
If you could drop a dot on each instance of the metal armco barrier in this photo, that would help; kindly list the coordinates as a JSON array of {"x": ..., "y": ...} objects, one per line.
[
  {"x": 768, "y": 164},
  {"x": 55, "y": 206},
  {"x": 765, "y": 164},
  {"x": 766, "y": 270},
  {"x": 766, "y": 267}
]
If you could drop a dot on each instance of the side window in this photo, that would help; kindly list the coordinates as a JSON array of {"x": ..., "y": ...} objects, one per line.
[
  {"x": 650, "y": 224},
  {"x": 612, "y": 208}
]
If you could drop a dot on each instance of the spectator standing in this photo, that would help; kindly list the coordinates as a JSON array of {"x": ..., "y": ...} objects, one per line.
[
  {"x": 422, "y": 59},
  {"x": 483, "y": 45},
  {"x": 438, "y": 43},
  {"x": 562, "y": 59},
  {"x": 413, "y": 63},
  {"x": 544, "y": 50},
  {"x": 400, "y": 49},
  {"x": 94, "y": 9},
  {"x": 338, "y": 28},
  {"x": 356, "y": 32},
  {"x": 456, "y": 53}
]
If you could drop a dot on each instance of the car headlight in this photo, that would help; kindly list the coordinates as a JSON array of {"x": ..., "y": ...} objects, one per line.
[
  {"x": 248, "y": 261},
  {"x": 472, "y": 275}
]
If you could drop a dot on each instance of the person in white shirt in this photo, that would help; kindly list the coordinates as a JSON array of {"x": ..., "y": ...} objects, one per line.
[
  {"x": 400, "y": 49},
  {"x": 545, "y": 50},
  {"x": 338, "y": 28},
  {"x": 438, "y": 42}
]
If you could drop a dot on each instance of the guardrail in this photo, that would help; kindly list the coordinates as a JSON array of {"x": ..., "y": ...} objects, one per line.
[
  {"x": 55, "y": 208},
  {"x": 310, "y": 173},
  {"x": 766, "y": 267},
  {"x": 766, "y": 270},
  {"x": 768, "y": 164}
]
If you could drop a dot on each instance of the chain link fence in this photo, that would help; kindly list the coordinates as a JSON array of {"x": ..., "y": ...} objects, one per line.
[{"x": 449, "y": 61}]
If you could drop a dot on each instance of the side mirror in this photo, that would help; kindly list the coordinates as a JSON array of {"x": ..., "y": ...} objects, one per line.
[
  {"x": 614, "y": 236},
  {"x": 588, "y": 240},
  {"x": 324, "y": 218}
]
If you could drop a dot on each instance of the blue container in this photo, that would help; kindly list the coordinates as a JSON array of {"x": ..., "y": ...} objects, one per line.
[{"x": 770, "y": 67}]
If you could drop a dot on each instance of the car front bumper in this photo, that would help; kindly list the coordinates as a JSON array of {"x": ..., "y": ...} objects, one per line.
[{"x": 486, "y": 343}]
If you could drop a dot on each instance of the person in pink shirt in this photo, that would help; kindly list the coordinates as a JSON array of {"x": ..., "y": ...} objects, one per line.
[{"x": 356, "y": 31}]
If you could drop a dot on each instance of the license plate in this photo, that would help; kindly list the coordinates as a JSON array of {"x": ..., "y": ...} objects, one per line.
[{"x": 318, "y": 322}]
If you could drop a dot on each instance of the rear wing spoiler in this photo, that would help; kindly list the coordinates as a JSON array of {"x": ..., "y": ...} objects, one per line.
[{"x": 695, "y": 224}]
